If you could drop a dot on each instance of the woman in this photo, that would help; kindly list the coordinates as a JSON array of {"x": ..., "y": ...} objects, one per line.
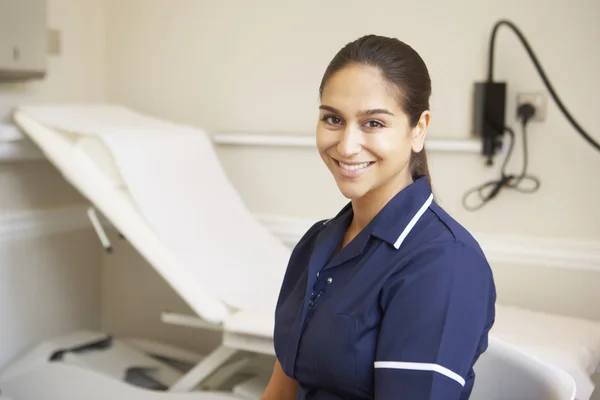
[{"x": 392, "y": 298}]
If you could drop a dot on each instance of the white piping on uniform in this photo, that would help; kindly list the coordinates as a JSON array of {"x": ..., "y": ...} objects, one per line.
[
  {"x": 413, "y": 221},
  {"x": 421, "y": 367}
]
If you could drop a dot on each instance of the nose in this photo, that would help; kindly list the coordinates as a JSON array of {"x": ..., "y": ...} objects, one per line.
[{"x": 350, "y": 142}]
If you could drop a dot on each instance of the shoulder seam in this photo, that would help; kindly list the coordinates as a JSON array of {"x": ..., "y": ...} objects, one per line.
[
  {"x": 313, "y": 230},
  {"x": 432, "y": 208},
  {"x": 465, "y": 246}
]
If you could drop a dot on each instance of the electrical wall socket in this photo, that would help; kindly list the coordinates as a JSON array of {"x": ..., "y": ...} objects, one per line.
[{"x": 538, "y": 100}]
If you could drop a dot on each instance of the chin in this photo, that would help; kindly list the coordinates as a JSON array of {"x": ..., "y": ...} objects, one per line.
[{"x": 352, "y": 192}]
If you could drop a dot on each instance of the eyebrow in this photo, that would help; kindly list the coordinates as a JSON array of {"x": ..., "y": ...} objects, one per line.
[{"x": 362, "y": 113}]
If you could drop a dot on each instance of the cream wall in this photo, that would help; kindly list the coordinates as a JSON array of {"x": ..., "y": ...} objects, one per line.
[
  {"x": 78, "y": 73},
  {"x": 50, "y": 284},
  {"x": 241, "y": 66},
  {"x": 255, "y": 66}
]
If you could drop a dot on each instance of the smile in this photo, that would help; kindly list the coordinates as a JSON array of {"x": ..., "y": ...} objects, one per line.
[
  {"x": 353, "y": 167},
  {"x": 353, "y": 170}
]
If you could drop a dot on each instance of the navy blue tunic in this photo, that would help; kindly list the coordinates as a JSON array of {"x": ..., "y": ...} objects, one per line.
[{"x": 402, "y": 312}]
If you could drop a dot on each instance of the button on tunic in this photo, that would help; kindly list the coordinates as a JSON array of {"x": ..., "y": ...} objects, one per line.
[{"x": 402, "y": 312}]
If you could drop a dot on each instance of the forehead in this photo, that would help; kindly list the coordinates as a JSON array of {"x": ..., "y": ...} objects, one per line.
[{"x": 356, "y": 88}]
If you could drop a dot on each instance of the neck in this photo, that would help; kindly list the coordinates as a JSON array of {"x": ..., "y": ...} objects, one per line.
[{"x": 368, "y": 206}]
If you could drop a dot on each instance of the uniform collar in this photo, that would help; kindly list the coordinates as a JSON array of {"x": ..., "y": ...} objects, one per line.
[
  {"x": 395, "y": 220},
  {"x": 333, "y": 234}
]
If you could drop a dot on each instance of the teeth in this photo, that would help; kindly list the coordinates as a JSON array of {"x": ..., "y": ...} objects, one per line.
[{"x": 354, "y": 167}]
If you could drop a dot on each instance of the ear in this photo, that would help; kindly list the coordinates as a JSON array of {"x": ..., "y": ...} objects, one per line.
[{"x": 419, "y": 132}]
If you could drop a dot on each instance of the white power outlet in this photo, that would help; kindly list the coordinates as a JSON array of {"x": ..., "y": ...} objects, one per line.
[{"x": 538, "y": 100}]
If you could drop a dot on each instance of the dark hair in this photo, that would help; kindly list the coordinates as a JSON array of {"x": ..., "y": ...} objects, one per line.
[{"x": 402, "y": 66}]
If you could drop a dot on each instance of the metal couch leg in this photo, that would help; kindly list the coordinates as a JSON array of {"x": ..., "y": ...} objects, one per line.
[{"x": 204, "y": 369}]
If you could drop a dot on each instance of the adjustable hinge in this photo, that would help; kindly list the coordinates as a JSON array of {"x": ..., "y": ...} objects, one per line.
[{"x": 93, "y": 216}]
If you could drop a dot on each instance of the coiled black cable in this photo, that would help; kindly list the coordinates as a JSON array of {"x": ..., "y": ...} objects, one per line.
[
  {"x": 488, "y": 190},
  {"x": 540, "y": 70}
]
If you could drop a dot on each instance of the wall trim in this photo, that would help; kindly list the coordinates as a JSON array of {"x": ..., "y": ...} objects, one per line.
[
  {"x": 23, "y": 224},
  {"x": 554, "y": 253},
  {"x": 16, "y": 146},
  {"x": 308, "y": 141},
  {"x": 19, "y": 150},
  {"x": 543, "y": 252}
]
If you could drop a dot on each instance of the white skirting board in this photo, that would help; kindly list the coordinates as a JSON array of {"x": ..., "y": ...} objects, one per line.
[{"x": 555, "y": 253}]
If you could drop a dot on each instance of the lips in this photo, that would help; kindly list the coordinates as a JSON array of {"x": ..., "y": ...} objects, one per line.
[{"x": 354, "y": 169}]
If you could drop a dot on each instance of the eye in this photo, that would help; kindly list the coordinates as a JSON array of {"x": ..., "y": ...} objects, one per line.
[
  {"x": 374, "y": 124},
  {"x": 332, "y": 119}
]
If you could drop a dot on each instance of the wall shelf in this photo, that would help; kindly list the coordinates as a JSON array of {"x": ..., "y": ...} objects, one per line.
[
  {"x": 306, "y": 141},
  {"x": 25, "y": 150},
  {"x": 22, "y": 150},
  {"x": 15, "y": 146}
]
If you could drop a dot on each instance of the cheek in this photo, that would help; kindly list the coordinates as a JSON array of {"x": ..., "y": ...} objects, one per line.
[
  {"x": 325, "y": 139},
  {"x": 392, "y": 151}
]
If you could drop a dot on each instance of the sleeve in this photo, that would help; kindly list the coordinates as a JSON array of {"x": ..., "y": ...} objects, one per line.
[{"x": 437, "y": 312}]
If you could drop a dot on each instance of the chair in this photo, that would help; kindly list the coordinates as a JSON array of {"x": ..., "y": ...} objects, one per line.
[{"x": 504, "y": 372}]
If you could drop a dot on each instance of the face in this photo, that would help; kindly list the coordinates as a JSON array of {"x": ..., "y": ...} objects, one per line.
[{"x": 363, "y": 135}]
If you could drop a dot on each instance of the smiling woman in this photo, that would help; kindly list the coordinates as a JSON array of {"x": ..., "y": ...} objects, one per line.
[
  {"x": 391, "y": 298},
  {"x": 362, "y": 124}
]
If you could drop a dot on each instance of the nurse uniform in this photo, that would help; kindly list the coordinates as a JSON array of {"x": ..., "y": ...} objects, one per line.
[{"x": 402, "y": 312}]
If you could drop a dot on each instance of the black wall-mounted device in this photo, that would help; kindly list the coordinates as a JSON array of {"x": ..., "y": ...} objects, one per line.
[
  {"x": 490, "y": 125},
  {"x": 490, "y": 116}
]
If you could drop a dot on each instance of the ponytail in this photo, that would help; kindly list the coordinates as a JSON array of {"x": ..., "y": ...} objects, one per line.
[{"x": 418, "y": 166}]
